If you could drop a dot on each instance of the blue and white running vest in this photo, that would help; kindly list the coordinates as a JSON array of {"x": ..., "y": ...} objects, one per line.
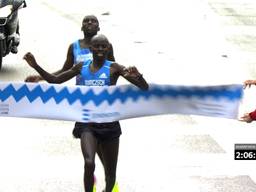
[
  {"x": 99, "y": 78},
  {"x": 80, "y": 55}
]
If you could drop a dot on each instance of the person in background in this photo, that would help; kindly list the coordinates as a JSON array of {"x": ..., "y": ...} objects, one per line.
[
  {"x": 78, "y": 51},
  {"x": 251, "y": 116}
]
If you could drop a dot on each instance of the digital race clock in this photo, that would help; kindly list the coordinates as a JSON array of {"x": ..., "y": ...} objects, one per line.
[{"x": 245, "y": 152}]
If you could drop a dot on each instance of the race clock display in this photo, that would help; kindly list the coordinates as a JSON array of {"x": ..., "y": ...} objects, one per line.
[{"x": 245, "y": 152}]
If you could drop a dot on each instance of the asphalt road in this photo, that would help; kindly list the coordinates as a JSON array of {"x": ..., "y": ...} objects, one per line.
[{"x": 178, "y": 42}]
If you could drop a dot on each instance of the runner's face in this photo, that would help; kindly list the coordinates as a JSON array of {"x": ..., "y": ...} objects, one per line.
[
  {"x": 90, "y": 25},
  {"x": 100, "y": 47}
]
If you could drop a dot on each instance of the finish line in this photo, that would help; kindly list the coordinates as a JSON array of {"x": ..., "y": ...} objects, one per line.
[{"x": 106, "y": 104}]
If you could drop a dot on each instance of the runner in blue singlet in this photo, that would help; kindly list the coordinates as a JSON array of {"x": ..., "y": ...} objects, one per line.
[
  {"x": 80, "y": 55},
  {"x": 94, "y": 136},
  {"x": 78, "y": 51}
]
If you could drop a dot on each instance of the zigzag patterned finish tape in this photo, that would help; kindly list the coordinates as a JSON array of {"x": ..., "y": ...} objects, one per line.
[{"x": 105, "y": 104}]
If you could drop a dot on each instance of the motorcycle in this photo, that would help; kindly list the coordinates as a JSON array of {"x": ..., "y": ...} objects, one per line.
[{"x": 6, "y": 39}]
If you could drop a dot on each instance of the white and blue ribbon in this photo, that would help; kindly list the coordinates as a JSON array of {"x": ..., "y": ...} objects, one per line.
[{"x": 106, "y": 104}]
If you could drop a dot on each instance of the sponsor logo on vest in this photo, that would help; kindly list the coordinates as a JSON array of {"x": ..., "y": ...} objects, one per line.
[
  {"x": 103, "y": 76},
  {"x": 94, "y": 82},
  {"x": 82, "y": 58}
]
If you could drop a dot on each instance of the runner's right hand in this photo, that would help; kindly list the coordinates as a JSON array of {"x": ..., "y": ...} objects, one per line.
[{"x": 29, "y": 57}]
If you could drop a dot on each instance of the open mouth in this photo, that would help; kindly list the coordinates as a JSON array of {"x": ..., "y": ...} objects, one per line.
[{"x": 100, "y": 54}]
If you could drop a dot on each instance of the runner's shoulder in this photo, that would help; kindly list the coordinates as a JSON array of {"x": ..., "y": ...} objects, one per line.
[{"x": 117, "y": 68}]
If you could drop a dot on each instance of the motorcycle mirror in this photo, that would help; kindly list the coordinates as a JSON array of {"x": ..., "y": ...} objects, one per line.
[{"x": 23, "y": 4}]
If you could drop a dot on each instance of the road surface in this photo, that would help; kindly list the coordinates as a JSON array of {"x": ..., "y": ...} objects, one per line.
[{"x": 176, "y": 42}]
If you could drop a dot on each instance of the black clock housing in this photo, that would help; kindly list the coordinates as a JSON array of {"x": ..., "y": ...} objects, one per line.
[{"x": 245, "y": 152}]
